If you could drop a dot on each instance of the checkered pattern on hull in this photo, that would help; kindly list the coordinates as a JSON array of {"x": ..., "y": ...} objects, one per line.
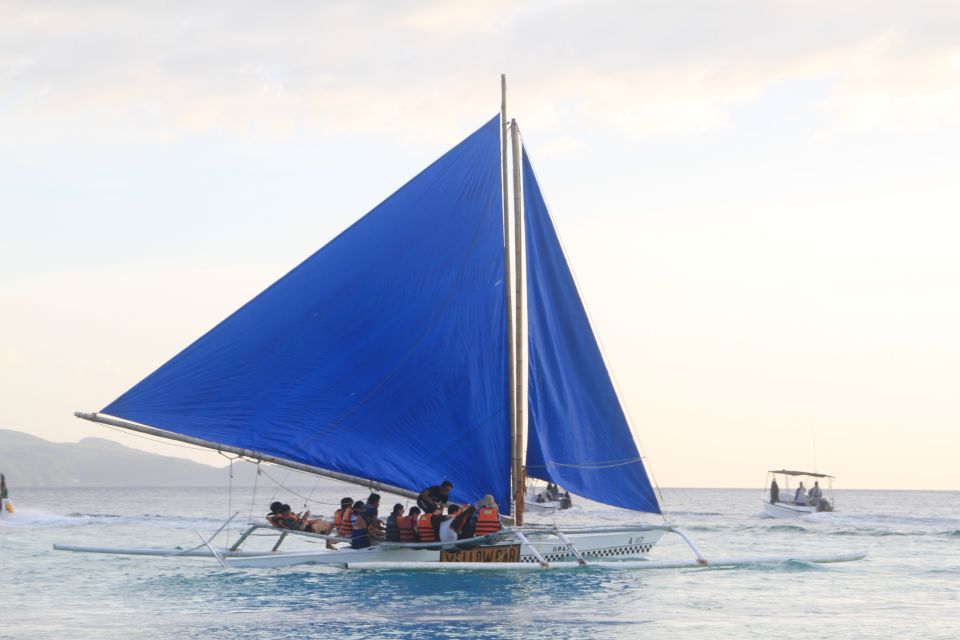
[{"x": 612, "y": 552}]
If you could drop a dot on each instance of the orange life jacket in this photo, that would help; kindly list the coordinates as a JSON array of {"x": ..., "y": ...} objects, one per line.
[
  {"x": 425, "y": 528},
  {"x": 345, "y": 526},
  {"x": 285, "y": 520},
  {"x": 488, "y": 521},
  {"x": 462, "y": 518},
  {"x": 276, "y": 519},
  {"x": 408, "y": 528}
]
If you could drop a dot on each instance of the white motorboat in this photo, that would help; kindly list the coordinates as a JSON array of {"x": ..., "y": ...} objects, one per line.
[{"x": 784, "y": 501}]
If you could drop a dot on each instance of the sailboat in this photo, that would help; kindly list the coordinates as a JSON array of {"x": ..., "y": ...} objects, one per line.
[{"x": 441, "y": 336}]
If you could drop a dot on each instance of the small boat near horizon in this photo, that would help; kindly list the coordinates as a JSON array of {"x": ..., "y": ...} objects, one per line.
[{"x": 793, "y": 502}]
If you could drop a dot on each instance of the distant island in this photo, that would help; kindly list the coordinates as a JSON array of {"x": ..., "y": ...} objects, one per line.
[{"x": 29, "y": 461}]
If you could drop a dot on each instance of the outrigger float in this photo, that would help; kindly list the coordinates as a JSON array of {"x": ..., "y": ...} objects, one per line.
[{"x": 441, "y": 336}]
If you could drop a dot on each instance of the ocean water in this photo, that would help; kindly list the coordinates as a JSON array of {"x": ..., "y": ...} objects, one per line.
[{"x": 907, "y": 587}]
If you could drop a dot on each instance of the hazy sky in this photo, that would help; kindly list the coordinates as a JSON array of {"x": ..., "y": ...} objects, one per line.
[{"x": 760, "y": 199}]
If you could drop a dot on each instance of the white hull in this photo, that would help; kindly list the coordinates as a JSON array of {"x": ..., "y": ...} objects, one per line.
[
  {"x": 517, "y": 549},
  {"x": 592, "y": 546},
  {"x": 786, "y": 509}
]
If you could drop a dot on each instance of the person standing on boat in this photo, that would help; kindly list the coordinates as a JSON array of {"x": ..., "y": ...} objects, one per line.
[
  {"x": 435, "y": 496},
  {"x": 393, "y": 529},
  {"x": 815, "y": 492},
  {"x": 3, "y": 491},
  {"x": 800, "y": 497},
  {"x": 774, "y": 492}
]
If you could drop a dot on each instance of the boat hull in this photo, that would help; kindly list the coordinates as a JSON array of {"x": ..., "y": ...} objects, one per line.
[
  {"x": 592, "y": 546},
  {"x": 786, "y": 509}
]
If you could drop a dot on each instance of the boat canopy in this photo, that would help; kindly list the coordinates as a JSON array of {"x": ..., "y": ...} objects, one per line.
[
  {"x": 578, "y": 436},
  {"x": 382, "y": 356},
  {"x": 786, "y": 472}
]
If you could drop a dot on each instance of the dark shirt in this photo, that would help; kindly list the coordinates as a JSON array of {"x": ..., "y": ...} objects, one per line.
[
  {"x": 369, "y": 513},
  {"x": 430, "y": 497},
  {"x": 393, "y": 532},
  {"x": 359, "y": 537}
]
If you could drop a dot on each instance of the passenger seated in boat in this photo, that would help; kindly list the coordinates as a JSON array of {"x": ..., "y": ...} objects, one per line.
[
  {"x": 488, "y": 517},
  {"x": 464, "y": 522},
  {"x": 553, "y": 492},
  {"x": 774, "y": 492},
  {"x": 346, "y": 507},
  {"x": 800, "y": 497},
  {"x": 565, "y": 500},
  {"x": 435, "y": 496},
  {"x": 371, "y": 516},
  {"x": 360, "y": 532},
  {"x": 393, "y": 528},
  {"x": 408, "y": 526},
  {"x": 447, "y": 534},
  {"x": 428, "y": 525},
  {"x": 282, "y": 517}
]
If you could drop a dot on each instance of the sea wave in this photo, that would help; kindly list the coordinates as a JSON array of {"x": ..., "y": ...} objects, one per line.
[{"x": 36, "y": 518}]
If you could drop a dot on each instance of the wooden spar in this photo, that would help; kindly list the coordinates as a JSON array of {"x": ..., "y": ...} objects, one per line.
[
  {"x": 519, "y": 369},
  {"x": 247, "y": 453},
  {"x": 516, "y": 463}
]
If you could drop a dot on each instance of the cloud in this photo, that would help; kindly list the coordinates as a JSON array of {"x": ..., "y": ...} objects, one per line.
[{"x": 141, "y": 71}]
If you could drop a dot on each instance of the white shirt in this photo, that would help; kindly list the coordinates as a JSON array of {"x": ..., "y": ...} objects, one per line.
[
  {"x": 446, "y": 533},
  {"x": 801, "y": 496}
]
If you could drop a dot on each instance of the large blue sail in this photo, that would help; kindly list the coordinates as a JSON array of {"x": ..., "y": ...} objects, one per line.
[
  {"x": 382, "y": 356},
  {"x": 578, "y": 435}
]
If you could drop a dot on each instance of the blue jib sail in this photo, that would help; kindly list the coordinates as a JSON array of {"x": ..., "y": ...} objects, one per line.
[
  {"x": 578, "y": 435},
  {"x": 382, "y": 356}
]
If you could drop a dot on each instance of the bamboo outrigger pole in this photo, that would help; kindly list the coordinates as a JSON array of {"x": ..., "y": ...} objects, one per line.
[
  {"x": 521, "y": 396},
  {"x": 515, "y": 455}
]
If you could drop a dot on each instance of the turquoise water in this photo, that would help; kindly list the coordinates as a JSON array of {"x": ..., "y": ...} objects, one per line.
[{"x": 908, "y": 587}]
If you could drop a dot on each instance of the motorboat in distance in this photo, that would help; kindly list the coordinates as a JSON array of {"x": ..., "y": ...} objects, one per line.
[{"x": 783, "y": 501}]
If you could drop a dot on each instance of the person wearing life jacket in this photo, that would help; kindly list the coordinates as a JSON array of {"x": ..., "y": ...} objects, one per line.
[
  {"x": 407, "y": 525},
  {"x": 345, "y": 528},
  {"x": 393, "y": 529},
  {"x": 345, "y": 507},
  {"x": 463, "y": 522},
  {"x": 488, "y": 517},
  {"x": 428, "y": 525},
  {"x": 371, "y": 515},
  {"x": 282, "y": 517},
  {"x": 277, "y": 517},
  {"x": 359, "y": 533}
]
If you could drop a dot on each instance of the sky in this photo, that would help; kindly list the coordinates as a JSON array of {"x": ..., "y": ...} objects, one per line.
[{"x": 759, "y": 200}]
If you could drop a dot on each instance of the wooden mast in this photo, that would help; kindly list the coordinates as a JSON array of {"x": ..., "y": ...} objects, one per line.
[
  {"x": 520, "y": 341},
  {"x": 515, "y": 468}
]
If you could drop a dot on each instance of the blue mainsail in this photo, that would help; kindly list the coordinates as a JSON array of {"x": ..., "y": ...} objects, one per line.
[
  {"x": 382, "y": 356},
  {"x": 578, "y": 435}
]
